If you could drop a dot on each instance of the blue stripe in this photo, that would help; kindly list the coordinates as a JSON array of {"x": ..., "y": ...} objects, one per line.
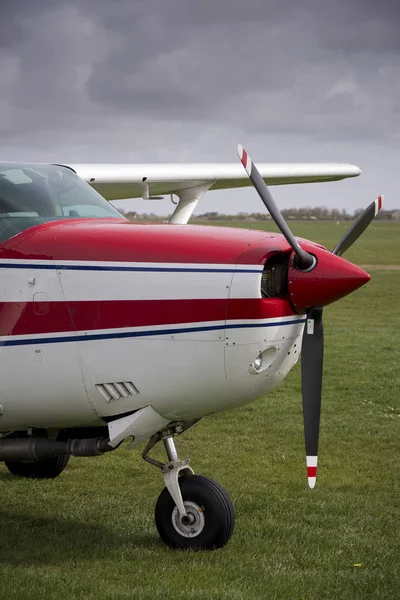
[
  {"x": 123, "y": 269},
  {"x": 132, "y": 334}
]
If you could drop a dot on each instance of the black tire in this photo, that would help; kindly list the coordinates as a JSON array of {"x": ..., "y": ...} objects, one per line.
[
  {"x": 47, "y": 468},
  {"x": 215, "y": 519}
]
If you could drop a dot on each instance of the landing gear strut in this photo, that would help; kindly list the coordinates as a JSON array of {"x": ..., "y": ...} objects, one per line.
[{"x": 192, "y": 511}]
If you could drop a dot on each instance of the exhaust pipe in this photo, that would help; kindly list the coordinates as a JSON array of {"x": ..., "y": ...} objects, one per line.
[{"x": 33, "y": 449}]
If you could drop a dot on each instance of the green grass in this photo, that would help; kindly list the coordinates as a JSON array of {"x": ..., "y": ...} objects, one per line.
[
  {"x": 379, "y": 244},
  {"x": 90, "y": 533}
]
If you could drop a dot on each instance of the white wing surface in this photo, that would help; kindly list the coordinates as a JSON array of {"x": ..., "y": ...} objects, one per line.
[{"x": 119, "y": 181}]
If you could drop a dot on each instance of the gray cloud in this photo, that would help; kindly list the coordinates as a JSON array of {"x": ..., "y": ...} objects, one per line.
[{"x": 185, "y": 80}]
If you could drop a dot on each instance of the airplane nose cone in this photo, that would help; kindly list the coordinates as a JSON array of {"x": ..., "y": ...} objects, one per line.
[{"x": 331, "y": 279}]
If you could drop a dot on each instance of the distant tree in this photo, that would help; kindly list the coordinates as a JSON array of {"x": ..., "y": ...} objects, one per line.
[{"x": 319, "y": 213}]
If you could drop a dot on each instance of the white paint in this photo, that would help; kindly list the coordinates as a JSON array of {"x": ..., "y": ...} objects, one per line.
[
  {"x": 312, "y": 461},
  {"x": 188, "y": 200},
  {"x": 16, "y": 286},
  {"x": 118, "y": 181},
  {"x": 49, "y": 392},
  {"x": 127, "y": 285},
  {"x": 180, "y": 375},
  {"x": 114, "y": 285},
  {"x": 142, "y": 424},
  {"x": 42, "y": 384}
]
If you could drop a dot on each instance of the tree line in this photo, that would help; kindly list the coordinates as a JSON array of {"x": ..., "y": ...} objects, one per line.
[{"x": 320, "y": 213}]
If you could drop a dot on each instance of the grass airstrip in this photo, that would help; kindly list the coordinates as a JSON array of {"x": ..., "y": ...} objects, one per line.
[{"x": 90, "y": 534}]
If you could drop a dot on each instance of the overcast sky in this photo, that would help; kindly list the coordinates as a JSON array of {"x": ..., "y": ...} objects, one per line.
[{"x": 186, "y": 80}]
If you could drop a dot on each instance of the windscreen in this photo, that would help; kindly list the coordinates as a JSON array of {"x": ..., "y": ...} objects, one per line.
[{"x": 34, "y": 194}]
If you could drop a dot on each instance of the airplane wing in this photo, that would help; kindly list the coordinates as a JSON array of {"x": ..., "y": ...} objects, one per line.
[
  {"x": 190, "y": 181},
  {"x": 119, "y": 181}
]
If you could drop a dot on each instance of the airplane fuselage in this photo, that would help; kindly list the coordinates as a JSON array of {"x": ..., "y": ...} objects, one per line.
[{"x": 100, "y": 318}]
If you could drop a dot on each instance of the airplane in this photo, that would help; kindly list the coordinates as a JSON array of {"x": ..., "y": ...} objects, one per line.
[{"x": 112, "y": 330}]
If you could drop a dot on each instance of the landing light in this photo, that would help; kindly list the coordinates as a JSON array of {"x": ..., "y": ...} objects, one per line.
[
  {"x": 263, "y": 360},
  {"x": 258, "y": 362}
]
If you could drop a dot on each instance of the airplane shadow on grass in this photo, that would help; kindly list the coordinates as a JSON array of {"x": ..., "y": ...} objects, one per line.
[{"x": 29, "y": 539}]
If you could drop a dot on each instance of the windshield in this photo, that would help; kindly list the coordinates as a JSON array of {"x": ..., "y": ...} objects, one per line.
[{"x": 34, "y": 194}]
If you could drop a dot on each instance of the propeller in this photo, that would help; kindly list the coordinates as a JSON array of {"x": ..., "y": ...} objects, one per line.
[
  {"x": 305, "y": 260},
  {"x": 358, "y": 227},
  {"x": 313, "y": 337},
  {"x": 312, "y": 360}
]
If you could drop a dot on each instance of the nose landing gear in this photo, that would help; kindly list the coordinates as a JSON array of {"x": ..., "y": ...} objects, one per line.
[{"x": 192, "y": 511}]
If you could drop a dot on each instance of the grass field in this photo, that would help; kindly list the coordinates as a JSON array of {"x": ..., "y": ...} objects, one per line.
[
  {"x": 379, "y": 244},
  {"x": 90, "y": 533}
]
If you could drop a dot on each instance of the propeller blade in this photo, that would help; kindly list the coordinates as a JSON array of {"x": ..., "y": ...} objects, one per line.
[
  {"x": 312, "y": 357},
  {"x": 358, "y": 227},
  {"x": 306, "y": 261}
]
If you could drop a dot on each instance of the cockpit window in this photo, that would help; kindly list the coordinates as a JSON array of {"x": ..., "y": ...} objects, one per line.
[{"x": 34, "y": 194}]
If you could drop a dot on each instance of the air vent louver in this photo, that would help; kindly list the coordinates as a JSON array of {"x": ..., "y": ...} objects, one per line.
[{"x": 116, "y": 390}]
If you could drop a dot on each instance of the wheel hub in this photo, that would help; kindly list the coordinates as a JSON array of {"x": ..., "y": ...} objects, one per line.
[
  {"x": 188, "y": 519},
  {"x": 190, "y": 525}
]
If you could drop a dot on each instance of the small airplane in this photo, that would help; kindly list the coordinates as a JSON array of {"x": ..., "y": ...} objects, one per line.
[{"x": 111, "y": 330}]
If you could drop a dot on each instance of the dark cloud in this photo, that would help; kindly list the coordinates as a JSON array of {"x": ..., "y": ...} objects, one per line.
[{"x": 133, "y": 79}]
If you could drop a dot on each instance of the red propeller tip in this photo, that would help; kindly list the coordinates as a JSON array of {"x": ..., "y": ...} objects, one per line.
[
  {"x": 245, "y": 159},
  {"x": 378, "y": 204},
  {"x": 312, "y": 470}
]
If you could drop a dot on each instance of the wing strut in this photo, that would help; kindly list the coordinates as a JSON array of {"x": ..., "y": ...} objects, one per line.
[{"x": 188, "y": 200}]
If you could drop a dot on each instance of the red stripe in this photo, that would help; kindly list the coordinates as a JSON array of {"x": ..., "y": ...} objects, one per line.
[
  {"x": 379, "y": 203},
  {"x": 312, "y": 471},
  {"x": 258, "y": 308},
  {"x": 17, "y": 318},
  {"x": 244, "y": 158},
  {"x": 142, "y": 313}
]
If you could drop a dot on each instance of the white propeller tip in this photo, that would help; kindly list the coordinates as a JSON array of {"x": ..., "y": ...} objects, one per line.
[{"x": 311, "y": 462}]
